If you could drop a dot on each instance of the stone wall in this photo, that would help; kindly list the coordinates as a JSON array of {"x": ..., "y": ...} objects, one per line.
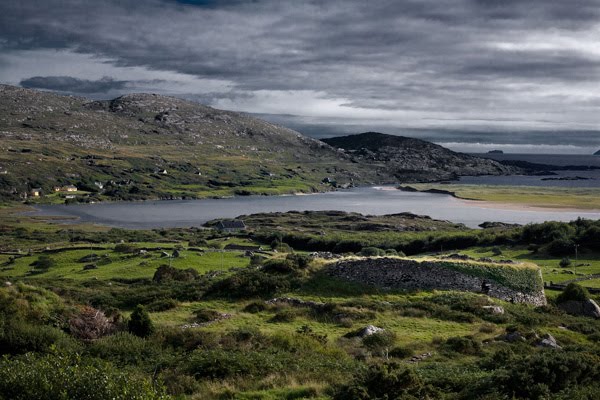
[{"x": 393, "y": 273}]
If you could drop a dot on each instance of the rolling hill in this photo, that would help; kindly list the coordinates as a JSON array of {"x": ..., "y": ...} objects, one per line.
[
  {"x": 147, "y": 146},
  {"x": 414, "y": 160},
  {"x": 143, "y": 146}
]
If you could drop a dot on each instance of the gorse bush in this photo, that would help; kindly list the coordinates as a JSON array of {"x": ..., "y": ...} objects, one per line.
[
  {"x": 574, "y": 292},
  {"x": 385, "y": 381},
  {"x": 125, "y": 248},
  {"x": 140, "y": 323},
  {"x": 124, "y": 348},
  {"x": 372, "y": 252},
  {"x": 539, "y": 375},
  {"x": 43, "y": 263},
  {"x": 463, "y": 345},
  {"x": 206, "y": 315},
  {"x": 565, "y": 262},
  {"x": 291, "y": 263},
  {"x": 18, "y": 337},
  {"x": 52, "y": 377},
  {"x": 251, "y": 284},
  {"x": 560, "y": 247}
]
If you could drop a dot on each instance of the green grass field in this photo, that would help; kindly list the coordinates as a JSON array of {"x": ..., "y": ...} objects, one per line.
[
  {"x": 531, "y": 196},
  {"x": 587, "y": 263},
  {"x": 119, "y": 265}
]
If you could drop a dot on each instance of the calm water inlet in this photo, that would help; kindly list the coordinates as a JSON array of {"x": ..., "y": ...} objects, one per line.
[{"x": 372, "y": 200}]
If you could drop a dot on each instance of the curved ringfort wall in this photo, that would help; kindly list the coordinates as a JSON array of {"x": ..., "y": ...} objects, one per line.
[{"x": 515, "y": 283}]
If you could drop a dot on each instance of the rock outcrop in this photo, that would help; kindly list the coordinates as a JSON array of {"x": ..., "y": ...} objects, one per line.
[{"x": 587, "y": 308}]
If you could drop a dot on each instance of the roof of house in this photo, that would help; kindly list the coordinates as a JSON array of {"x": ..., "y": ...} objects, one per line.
[{"x": 231, "y": 224}]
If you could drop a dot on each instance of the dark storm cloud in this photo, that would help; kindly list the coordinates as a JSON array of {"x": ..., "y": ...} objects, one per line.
[
  {"x": 73, "y": 85},
  {"x": 460, "y": 60}
]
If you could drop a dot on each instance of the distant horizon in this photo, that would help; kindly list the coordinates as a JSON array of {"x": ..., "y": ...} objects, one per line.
[{"x": 437, "y": 136}]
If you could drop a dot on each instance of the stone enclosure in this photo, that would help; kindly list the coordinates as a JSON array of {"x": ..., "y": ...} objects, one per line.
[{"x": 396, "y": 273}]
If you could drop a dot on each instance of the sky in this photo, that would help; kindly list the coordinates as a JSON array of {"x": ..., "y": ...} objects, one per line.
[{"x": 474, "y": 75}]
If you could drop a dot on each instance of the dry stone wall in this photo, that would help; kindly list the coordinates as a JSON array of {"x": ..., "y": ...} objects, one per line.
[{"x": 393, "y": 273}]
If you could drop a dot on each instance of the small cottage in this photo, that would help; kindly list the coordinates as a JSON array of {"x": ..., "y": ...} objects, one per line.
[
  {"x": 234, "y": 225},
  {"x": 36, "y": 192},
  {"x": 68, "y": 188}
]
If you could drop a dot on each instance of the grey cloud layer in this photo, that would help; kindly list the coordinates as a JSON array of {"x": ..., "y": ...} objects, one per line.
[
  {"x": 73, "y": 85},
  {"x": 467, "y": 59}
]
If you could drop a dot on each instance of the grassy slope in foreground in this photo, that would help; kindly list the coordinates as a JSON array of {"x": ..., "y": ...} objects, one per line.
[{"x": 531, "y": 196}]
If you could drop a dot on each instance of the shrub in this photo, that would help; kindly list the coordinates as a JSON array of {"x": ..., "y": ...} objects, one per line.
[
  {"x": 58, "y": 377},
  {"x": 536, "y": 376},
  {"x": 380, "y": 342},
  {"x": 463, "y": 345},
  {"x": 292, "y": 263},
  {"x": 565, "y": 262},
  {"x": 140, "y": 323},
  {"x": 255, "y": 307},
  {"x": 125, "y": 248},
  {"x": 198, "y": 242},
  {"x": 227, "y": 363},
  {"x": 546, "y": 232},
  {"x": 401, "y": 352},
  {"x": 372, "y": 252},
  {"x": 44, "y": 262},
  {"x": 281, "y": 266},
  {"x": 496, "y": 251},
  {"x": 308, "y": 331},
  {"x": 560, "y": 247},
  {"x": 382, "y": 380},
  {"x": 206, "y": 315},
  {"x": 89, "y": 324},
  {"x": 164, "y": 273},
  {"x": 162, "y": 305},
  {"x": 123, "y": 348},
  {"x": 186, "y": 339},
  {"x": 299, "y": 261},
  {"x": 285, "y": 315},
  {"x": 256, "y": 260},
  {"x": 249, "y": 284},
  {"x": 18, "y": 337},
  {"x": 574, "y": 292}
]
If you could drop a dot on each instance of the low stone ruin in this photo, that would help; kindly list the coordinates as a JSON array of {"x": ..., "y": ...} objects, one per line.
[{"x": 397, "y": 273}]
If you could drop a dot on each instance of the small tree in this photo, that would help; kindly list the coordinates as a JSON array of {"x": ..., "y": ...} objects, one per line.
[
  {"x": 565, "y": 262},
  {"x": 380, "y": 342},
  {"x": 140, "y": 323},
  {"x": 574, "y": 292},
  {"x": 43, "y": 262}
]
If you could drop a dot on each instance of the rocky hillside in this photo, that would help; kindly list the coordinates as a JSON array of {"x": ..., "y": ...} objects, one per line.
[
  {"x": 143, "y": 146},
  {"x": 411, "y": 160}
]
